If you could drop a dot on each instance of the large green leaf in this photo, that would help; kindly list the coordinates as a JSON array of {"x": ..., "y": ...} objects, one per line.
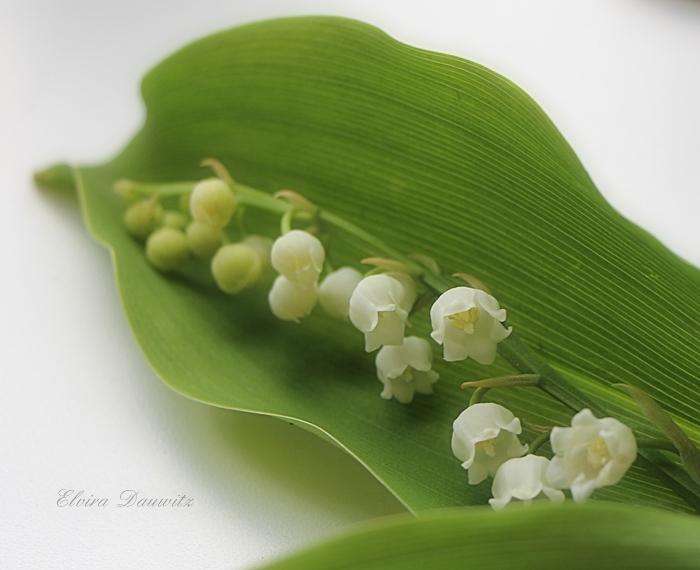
[
  {"x": 435, "y": 155},
  {"x": 539, "y": 538}
]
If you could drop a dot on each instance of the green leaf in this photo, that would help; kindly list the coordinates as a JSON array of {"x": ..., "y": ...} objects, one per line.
[
  {"x": 605, "y": 537},
  {"x": 437, "y": 156}
]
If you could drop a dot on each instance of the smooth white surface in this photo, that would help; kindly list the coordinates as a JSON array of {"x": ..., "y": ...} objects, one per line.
[{"x": 81, "y": 409}]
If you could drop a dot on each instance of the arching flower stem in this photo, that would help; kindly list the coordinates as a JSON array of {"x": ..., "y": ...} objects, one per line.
[
  {"x": 538, "y": 442},
  {"x": 286, "y": 221},
  {"x": 478, "y": 395}
]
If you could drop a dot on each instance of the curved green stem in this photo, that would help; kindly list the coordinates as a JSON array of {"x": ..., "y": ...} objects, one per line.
[
  {"x": 286, "y": 222},
  {"x": 478, "y": 395},
  {"x": 538, "y": 442}
]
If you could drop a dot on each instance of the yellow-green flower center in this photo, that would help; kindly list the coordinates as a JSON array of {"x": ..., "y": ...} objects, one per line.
[
  {"x": 487, "y": 446},
  {"x": 466, "y": 320},
  {"x": 598, "y": 453}
]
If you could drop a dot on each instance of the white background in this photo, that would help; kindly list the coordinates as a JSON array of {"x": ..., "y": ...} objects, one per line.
[{"x": 79, "y": 406}]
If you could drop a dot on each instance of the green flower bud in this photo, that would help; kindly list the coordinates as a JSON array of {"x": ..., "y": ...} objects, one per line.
[
  {"x": 204, "y": 239},
  {"x": 142, "y": 217},
  {"x": 212, "y": 202},
  {"x": 235, "y": 267},
  {"x": 262, "y": 246},
  {"x": 167, "y": 248},
  {"x": 175, "y": 219}
]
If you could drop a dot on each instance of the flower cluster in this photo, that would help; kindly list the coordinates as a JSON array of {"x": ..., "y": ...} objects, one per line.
[
  {"x": 591, "y": 453},
  {"x": 467, "y": 322},
  {"x": 197, "y": 228}
]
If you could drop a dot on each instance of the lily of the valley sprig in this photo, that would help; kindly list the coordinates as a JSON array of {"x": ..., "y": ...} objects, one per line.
[{"x": 205, "y": 219}]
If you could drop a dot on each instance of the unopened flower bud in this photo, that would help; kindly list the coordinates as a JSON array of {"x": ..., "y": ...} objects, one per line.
[
  {"x": 291, "y": 301},
  {"x": 204, "y": 239},
  {"x": 142, "y": 217},
  {"x": 175, "y": 219},
  {"x": 335, "y": 291},
  {"x": 235, "y": 267},
  {"x": 262, "y": 246},
  {"x": 298, "y": 256},
  {"x": 212, "y": 202},
  {"x": 167, "y": 249}
]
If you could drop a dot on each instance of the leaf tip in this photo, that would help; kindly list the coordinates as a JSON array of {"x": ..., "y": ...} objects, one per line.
[{"x": 57, "y": 178}]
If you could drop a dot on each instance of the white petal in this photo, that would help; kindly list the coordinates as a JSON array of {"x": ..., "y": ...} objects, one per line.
[
  {"x": 417, "y": 353},
  {"x": 463, "y": 449},
  {"x": 299, "y": 256},
  {"x": 500, "y": 503},
  {"x": 403, "y": 391},
  {"x": 478, "y": 342},
  {"x": 362, "y": 312},
  {"x": 525, "y": 479},
  {"x": 591, "y": 453},
  {"x": 499, "y": 332},
  {"x": 389, "y": 330},
  {"x": 455, "y": 345},
  {"x": 584, "y": 418},
  {"x": 452, "y": 301},
  {"x": 582, "y": 488},
  {"x": 387, "y": 392},
  {"x": 554, "y": 495},
  {"x": 477, "y": 473},
  {"x": 490, "y": 305},
  {"x": 390, "y": 362},
  {"x": 521, "y": 478},
  {"x": 507, "y": 446},
  {"x": 424, "y": 381},
  {"x": 409, "y": 287},
  {"x": 556, "y": 473},
  {"x": 482, "y": 422},
  {"x": 337, "y": 288},
  {"x": 290, "y": 301},
  {"x": 375, "y": 294}
]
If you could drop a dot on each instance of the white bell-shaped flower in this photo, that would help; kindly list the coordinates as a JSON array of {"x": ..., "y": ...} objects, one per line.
[
  {"x": 299, "y": 256},
  {"x": 525, "y": 479},
  {"x": 591, "y": 453},
  {"x": 406, "y": 369},
  {"x": 212, "y": 202},
  {"x": 376, "y": 308},
  {"x": 467, "y": 322},
  {"x": 409, "y": 289},
  {"x": 336, "y": 289},
  {"x": 485, "y": 436},
  {"x": 291, "y": 301}
]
